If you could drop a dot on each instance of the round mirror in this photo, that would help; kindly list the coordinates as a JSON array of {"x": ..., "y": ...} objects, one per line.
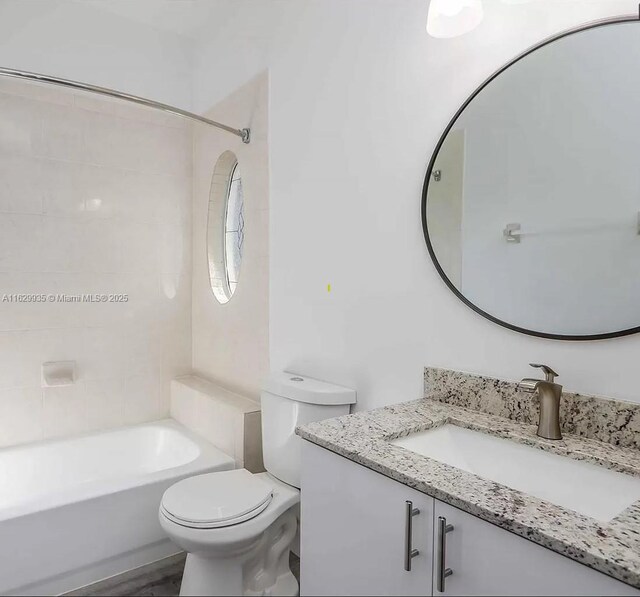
[
  {"x": 531, "y": 204},
  {"x": 225, "y": 227}
]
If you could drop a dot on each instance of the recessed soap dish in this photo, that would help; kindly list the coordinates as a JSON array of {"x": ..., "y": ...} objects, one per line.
[{"x": 58, "y": 373}]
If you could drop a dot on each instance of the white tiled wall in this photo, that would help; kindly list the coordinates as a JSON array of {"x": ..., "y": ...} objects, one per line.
[
  {"x": 95, "y": 197},
  {"x": 229, "y": 421},
  {"x": 231, "y": 341}
]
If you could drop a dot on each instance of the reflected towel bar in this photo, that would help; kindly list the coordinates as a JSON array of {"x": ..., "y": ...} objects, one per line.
[{"x": 513, "y": 233}]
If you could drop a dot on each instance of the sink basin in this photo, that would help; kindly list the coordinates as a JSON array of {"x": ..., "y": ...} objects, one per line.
[{"x": 586, "y": 488}]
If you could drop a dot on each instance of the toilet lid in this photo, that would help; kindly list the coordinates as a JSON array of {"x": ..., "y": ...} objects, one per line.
[{"x": 216, "y": 499}]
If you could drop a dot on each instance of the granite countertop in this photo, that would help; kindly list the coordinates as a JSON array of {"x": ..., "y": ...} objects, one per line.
[{"x": 612, "y": 547}]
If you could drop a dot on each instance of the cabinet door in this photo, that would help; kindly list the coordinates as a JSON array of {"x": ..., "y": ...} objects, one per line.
[
  {"x": 487, "y": 560},
  {"x": 353, "y": 530}
]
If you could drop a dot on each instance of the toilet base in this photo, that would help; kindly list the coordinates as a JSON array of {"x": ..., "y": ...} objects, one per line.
[
  {"x": 286, "y": 585},
  {"x": 262, "y": 569},
  {"x": 209, "y": 576}
]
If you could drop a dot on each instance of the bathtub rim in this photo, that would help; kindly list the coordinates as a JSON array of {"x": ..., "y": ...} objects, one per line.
[{"x": 209, "y": 457}]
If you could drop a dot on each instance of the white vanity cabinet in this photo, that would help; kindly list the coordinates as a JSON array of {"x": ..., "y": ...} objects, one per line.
[
  {"x": 354, "y": 530},
  {"x": 354, "y": 541},
  {"x": 487, "y": 560}
]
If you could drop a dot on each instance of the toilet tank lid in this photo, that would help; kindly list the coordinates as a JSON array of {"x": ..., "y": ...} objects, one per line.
[{"x": 306, "y": 389}]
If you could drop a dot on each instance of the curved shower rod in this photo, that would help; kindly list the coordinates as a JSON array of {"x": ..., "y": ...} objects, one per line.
[{"x": 244, "y": 134}]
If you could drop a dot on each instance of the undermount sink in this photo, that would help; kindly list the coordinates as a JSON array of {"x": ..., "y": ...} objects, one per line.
[{"x": 586, "y": 488}]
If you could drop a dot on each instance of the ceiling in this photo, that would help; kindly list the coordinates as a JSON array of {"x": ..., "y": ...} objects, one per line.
[{"x": 182, "y": 17}]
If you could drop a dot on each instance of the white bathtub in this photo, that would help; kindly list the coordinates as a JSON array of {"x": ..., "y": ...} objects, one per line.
[{"x": 79, "y": 510}]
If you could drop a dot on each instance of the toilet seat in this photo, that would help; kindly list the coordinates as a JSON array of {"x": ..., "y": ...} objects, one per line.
[{"x": 216, "y": 500}]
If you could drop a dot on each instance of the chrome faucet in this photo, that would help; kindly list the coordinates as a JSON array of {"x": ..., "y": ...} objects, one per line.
[{"x": 550, "y": 394}]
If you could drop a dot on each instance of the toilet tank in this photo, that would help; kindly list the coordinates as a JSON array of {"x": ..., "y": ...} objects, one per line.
[{"x": 289, "y": 400}]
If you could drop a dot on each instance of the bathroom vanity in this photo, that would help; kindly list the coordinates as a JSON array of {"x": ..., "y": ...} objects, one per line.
[{"x": 429, "y": 497}]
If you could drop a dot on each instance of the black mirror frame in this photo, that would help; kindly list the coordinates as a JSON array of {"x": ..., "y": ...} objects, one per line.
[{"x": 427, "y": 180}]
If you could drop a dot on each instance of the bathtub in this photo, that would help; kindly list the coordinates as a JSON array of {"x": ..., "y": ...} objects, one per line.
[{"x": 78, "y": 510}]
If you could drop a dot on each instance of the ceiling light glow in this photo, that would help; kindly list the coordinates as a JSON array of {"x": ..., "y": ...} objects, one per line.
[{"x": 450, "y": 18}]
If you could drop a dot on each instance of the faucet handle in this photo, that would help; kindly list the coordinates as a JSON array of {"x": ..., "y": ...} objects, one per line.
[{"x": 549, "y": 373}]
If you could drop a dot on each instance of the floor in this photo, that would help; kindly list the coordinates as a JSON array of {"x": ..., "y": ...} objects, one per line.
[{"x": 156, "y": 580}]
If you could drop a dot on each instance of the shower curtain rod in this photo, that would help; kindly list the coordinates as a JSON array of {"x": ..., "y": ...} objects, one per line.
[{"x": 244, "y": 134}]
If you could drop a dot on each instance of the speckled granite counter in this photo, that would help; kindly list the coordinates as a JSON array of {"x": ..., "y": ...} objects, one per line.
[
  {"x": 612, "y": 547},
  {"x": 594, "y": 417}
]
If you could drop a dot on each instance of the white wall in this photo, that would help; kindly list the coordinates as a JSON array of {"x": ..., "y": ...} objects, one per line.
[
  {"x": 359, "y": 96},
  {"x": 75, "y": 39},
  {"x": 95, "y": 199}
]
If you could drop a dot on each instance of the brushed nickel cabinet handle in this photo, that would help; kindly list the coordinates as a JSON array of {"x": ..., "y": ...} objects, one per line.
[
  {"x": 443, "y": 571},
  {"x": 409, "y": 552}
]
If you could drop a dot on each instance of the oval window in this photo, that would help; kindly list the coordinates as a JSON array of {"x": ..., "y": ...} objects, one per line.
[{"x": 225, "y": 227}]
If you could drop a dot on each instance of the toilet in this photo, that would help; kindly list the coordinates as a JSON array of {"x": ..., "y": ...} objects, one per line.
[{"x": 238, "y": 527}]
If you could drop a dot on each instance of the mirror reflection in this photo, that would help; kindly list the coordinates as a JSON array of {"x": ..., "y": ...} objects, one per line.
[{"x": 533, "y": 198}]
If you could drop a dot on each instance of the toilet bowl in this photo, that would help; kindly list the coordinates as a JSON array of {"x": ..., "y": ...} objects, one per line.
[{"x": 237, "y": 527}]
